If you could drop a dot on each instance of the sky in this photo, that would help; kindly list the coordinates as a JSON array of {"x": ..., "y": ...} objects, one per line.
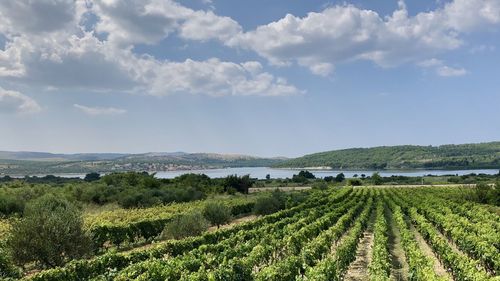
[{"x": 266, "y": 78}]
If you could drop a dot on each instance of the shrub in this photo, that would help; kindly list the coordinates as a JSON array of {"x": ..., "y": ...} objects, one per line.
[
  {"x": 354, "y": 182},
  {"x": 7, "y": 268},
  {"x": 50, "y": 233},
  {"x": 269, "y": 204},
  {"x": 185, "y": 225},
  {"x": 216, "y": 213},
  {"x": 321, "y": 185},
  {"x": 377, "y": 179}
]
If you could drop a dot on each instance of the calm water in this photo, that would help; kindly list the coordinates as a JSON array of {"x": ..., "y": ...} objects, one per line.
[{"x": 261, "y": 172}]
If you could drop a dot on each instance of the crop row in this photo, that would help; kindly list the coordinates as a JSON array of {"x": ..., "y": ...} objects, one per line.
[
  {"x": 470, "y": 238},
  {"x": 85, "y": 269}
]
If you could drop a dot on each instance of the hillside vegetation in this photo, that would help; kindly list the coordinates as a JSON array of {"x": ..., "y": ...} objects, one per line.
[
  {"x": 45, "y": 163},
  {"x": 463, "y": 156}
]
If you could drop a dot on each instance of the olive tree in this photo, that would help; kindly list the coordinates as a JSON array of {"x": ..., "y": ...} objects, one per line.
[
  {"x": 50, "y": 233},
  {"x": 185, "y": 225},
  {"x": 216, "y": 213}
]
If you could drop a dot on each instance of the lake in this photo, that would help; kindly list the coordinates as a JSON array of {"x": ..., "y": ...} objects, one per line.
[{"x": 261, "y": 172}]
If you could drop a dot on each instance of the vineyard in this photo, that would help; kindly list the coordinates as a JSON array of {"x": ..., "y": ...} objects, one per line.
[
  {"x": 343, "y": 234},
  {"x": 133, "y": 225}
]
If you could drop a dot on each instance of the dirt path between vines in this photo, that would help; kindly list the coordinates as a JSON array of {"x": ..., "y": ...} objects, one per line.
[
  {"x": 427, "y": 250},
  {"x": 358, "y": 269},
  {"x": 399, "y": 265}
]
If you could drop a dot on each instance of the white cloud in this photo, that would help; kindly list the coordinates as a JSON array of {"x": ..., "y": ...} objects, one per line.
[
  {"x": 201, "y": 25},
  {"x": 218, "y": 78},
  {"x": 441, "y": 69},
  {"x": 150, "y": 21},
  {"x": 36, "y": 16},
  {"x": 430, "y": 63},
  {"x": 63, "y": 51},
  {"x": 138, "y": 21},
  {"x": 15, "y": 102},
  {"x": 95, "y": 111},
  {"x": 73, "y": 58},
  {"x": 344, "y": 33},
  {"x": 448, "y": 71}
]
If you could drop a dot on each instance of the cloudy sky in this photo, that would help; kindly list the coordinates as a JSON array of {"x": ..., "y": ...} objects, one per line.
[{"x": 282, "y": 77}]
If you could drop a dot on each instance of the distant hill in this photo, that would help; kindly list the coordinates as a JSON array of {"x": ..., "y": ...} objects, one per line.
[
  {"x": 20, "y": 163},
  {"x": 45, "y": 156},
  {"x": 463, "y": 156}
]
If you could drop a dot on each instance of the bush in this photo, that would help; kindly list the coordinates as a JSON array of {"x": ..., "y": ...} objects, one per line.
[
  {"x": 185, "y": 225},
  {"x": 269, "y": 204},
  {"x": 354, "y": 182},
  {"x": 7, "y": 268},
  {"x": 340, "y": 177},
  {"x": 295, "y": 198},
  {"x": 216, "y": 213},
  {"x": 240, "y": 184},
  {"x": 487, "y": 194},
  {"x": 377, "y": 179},
  {"x": 50, "y": 233},
  {"x": 321, "y": 185}
]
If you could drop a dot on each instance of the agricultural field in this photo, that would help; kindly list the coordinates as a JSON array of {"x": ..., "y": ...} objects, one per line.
[{"x": 362, "y": 233}]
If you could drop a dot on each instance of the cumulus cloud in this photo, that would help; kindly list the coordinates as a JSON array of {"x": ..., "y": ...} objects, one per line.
[
  {"x": 36, "y": 16},
  {"x": 57, "y": 48},
  {"x": 139, "y": 21},
  {"x": 15, "y": 102},
  {"x": 345, "y": 33},
  {"x": 78, "y": 58},
  {"x": 201, "y": 25},
  {"x": 441, "y": 69},
  {"x": 95, "y": 111},
  {"x": 217, "y": 78}
]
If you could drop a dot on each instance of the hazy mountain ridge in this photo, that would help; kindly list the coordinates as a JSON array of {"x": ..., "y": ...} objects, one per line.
[
  {"x": 462, "y": 156},
  {"x": 42, "y": 162}
]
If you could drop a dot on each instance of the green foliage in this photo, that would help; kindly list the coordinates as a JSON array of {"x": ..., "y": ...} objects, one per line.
[
  {"x": 92, "y": 177},
  {"x": 376, "y": 179},
  {"x": 216, "y": 213},
  {"x": 50, "y": 233},
  {"x": 340, "y": 177},
  {"x": 464, "y": 156},
  {"x": 270, "y": 203},
  {"x": 240, "y": 184},
  {"x": 380, "y": 266},
  {"x": 303, "y": 177},
  {"x": 185, "y": 225},
  {"x": 320, "y": 185},
  {"x": 354, "y": 182},
  {"x": 296, "y": 243},
  {"x": 7, "y": 267}
]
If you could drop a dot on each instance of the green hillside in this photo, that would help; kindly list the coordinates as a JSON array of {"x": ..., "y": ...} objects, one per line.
[{"x": 463, "y": 156}]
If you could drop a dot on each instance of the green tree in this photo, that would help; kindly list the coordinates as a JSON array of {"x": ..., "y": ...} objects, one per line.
[
  {"x": 240, "y": 184},
  {"x": 482, "y": 191},
  {"x": 185, "y": 225},
  {"x": 340, "y": 177},
  {"x": 306, "y": 174},
  {"x": 50, "y": 233},
  {"x": 92, "y": 177},
  {"x": 270, "y": 203},
  {"x": 216, "y": 213},
  {"x": 377, "y": 179},
  {"x": 354, "y": 182}
]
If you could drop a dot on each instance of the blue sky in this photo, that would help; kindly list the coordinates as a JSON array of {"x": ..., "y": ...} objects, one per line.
[{"x": 257, "y": 77}]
